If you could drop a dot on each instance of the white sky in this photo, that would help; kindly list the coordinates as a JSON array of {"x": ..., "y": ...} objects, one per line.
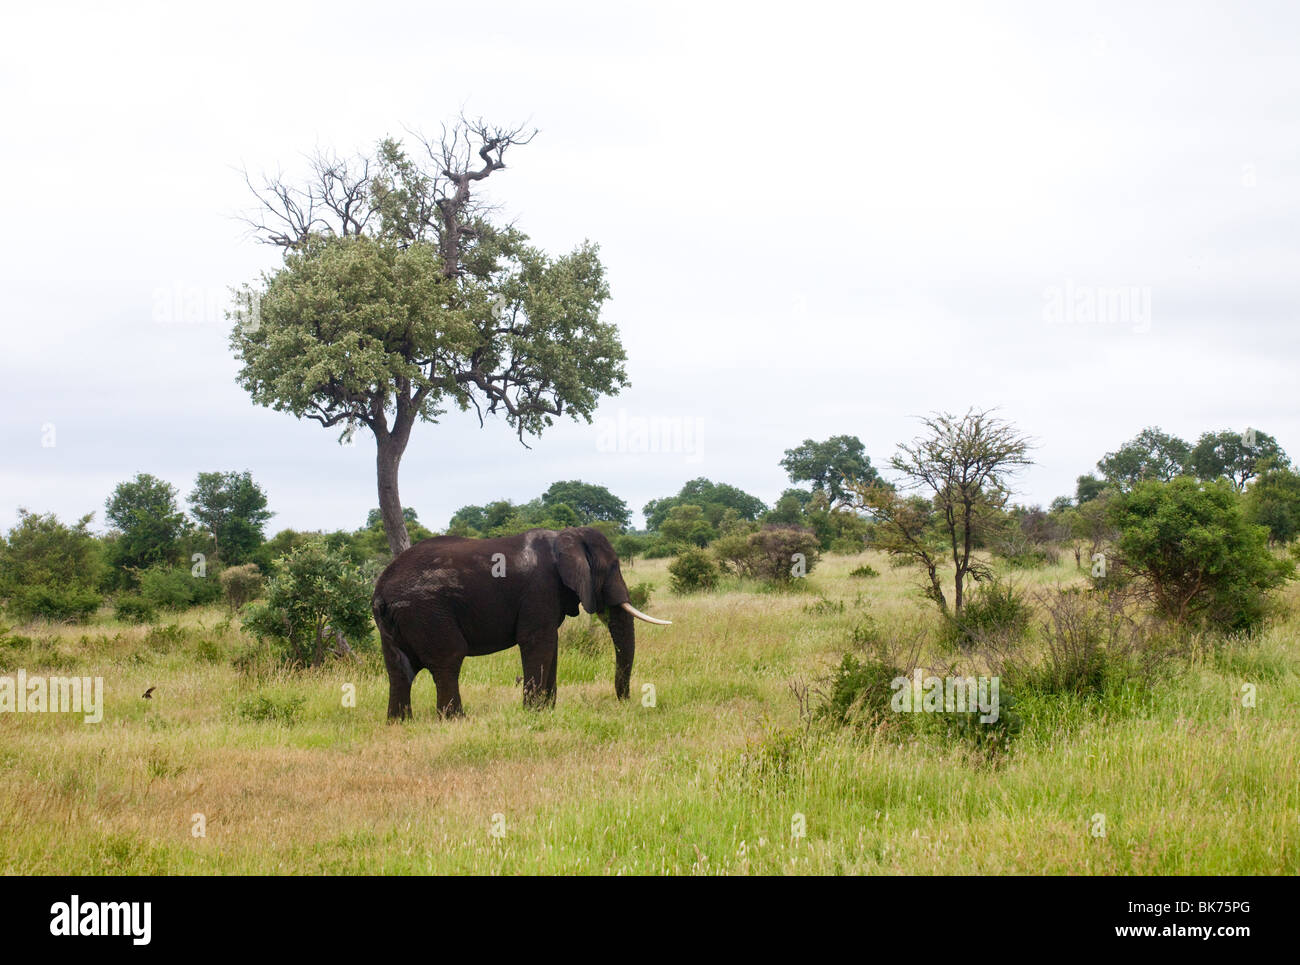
[{"x": 816, "y": 220}]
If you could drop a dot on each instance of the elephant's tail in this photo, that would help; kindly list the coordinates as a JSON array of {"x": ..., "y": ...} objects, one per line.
[{"x": 389, "y": 637}]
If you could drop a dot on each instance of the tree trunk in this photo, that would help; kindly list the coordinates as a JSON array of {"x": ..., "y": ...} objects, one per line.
[{"x": 388, "y": 457}]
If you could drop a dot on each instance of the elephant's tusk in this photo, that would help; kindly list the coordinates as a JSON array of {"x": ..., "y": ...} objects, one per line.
[{"x": 641, "y": 616}]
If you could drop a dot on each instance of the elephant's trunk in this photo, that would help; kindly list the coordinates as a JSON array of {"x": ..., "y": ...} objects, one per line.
[{"x": 623, "y": 633}]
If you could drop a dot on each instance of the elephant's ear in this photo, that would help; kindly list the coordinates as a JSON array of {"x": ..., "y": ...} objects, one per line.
[{"x": 575, "y": 569}]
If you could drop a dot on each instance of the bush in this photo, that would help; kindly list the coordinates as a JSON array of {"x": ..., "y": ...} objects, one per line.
[
  {"x": 639, "y": 595},
  {"x": 864, "y": 571},
  {"x": 769, "y": 554},
  {"x": 241, "y": 584},
  {"x": 135, "y": 609},
  {"x": 1198, "y": 558},
  {"x": 858, "y": 692},
  {"x": 176, "y": 588},
  {"x": 693, "y": 571},
  {"x": 995, "y": 609},
  {"x": 315, "y": 590},
  {"x": 1090, "y": 648},
  {"x": 49, "y": 570},
  {"x": 61, "y": 604}
]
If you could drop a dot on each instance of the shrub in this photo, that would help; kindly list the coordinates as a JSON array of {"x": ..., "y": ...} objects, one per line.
[
  {"x": 49, "y": 570},
  {"x": 58, "y": 603},
  {"x": 639, "y": 595},
  {"x": 858, "y": 691},
  {"x": 241, "y": 584},
  {"x": 769, "y": 554},
  {"x": 996, "y": 608},
  {"x": 1090, "y": 648},
  {"x": 134, "y": 609},
  {"x": 177, "y": 588},
  {"x": 314, "y": 590},
  {"x": 1199, "y": 559},
  {"x": 864, "y": 571},
  {"x": 693, "y": 571}
]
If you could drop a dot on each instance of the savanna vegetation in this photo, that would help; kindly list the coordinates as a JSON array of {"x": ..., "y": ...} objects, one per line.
[{"x": 1143, "y": 633}]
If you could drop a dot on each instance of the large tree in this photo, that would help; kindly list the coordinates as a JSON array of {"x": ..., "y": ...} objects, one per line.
[
  {"x": 592, "y": 503},
  {"x": 233, "y": 509},
  {"x": 830, "y": 465},
  {"x": 148, "y": 521},
  {"x": 399, "y": 296},
  {"x": 1151, "y": 454},
  {"x": 714, "y": 498},
  {"x": 1236, "y": 456}
]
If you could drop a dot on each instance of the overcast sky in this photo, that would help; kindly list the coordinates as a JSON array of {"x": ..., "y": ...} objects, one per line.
[{"x": 816, "y": 219}]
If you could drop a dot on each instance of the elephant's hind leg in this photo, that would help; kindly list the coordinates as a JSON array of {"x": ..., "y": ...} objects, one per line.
[
  {"x": 400, "y": 675},
  {"x": 443, "y": 660}
]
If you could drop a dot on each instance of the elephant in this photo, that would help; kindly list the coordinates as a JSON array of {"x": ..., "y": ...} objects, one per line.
[{"x": 451, "y": 597}]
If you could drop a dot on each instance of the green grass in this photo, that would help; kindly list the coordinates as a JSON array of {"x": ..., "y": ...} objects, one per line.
[{"x": 289, "y": 780}]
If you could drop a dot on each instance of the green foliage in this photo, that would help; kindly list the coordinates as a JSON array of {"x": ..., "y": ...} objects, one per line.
[
  {"x": 40, "y": 551},
  {"x": 50, "y": 602},
  {"x": 177, "y": 588},
  {"x": 375, "y": 518},
  {"x": 772, "y": 553},
  {"x": 639, "y": 595},
  {"x": 865, "y": 570},
  {"x": 133, "y": 608},
  {"x": 233, "y": 509},
  {"x": 313, "y": 588},
  {"x": 591, "y": 503},
  {"x": 714, "y": 499},
  {"x": 685, "y": 525},
  {"x": 148, "y": 522},
  {"x": 997, "y": 609},
  {"x": 628, "y": 546},
  {"x": 693, "y": 571},
  {"x": 241, "y": 584},
  {"x": 858, "y": 692},
  {"x": 1273, "y": 501},
  {"x": 829, "y": 465},
  {"x": 1151, "y": 454},
  {"x": 1087, "y": 487},
  {"x": 1235, "y": 456},
  {"x": 1192, "y": 545}
]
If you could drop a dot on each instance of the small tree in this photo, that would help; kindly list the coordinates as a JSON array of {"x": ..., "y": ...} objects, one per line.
[
  {"x": 962, "y": 465},
  {"x": 1201, "y": 561},
  {"x": 241, "y": 584},
  {"x": 315, "y": 594}
]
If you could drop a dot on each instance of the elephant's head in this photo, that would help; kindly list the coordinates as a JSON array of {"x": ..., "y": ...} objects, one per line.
[{"x": 589, "y": 569}]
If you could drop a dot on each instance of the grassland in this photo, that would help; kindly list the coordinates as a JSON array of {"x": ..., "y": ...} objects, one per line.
[{"x": 291, "y": 781}]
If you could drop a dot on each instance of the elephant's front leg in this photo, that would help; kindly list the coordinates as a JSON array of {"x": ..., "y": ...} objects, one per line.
[{"x": 539, "y": 652}]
